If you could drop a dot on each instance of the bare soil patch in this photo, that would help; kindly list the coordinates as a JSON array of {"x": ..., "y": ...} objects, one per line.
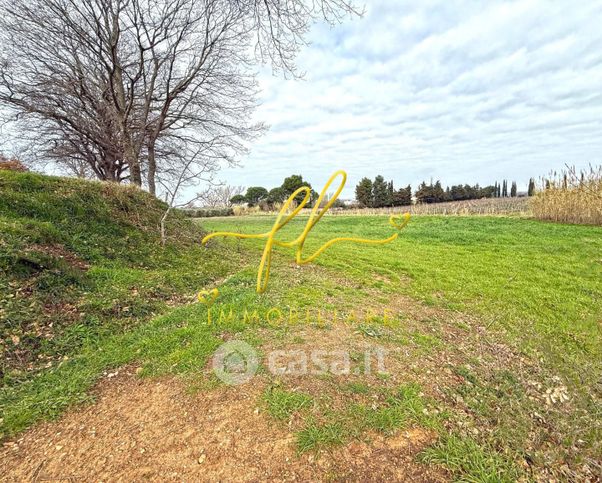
[{"x": 143, "y": 429}]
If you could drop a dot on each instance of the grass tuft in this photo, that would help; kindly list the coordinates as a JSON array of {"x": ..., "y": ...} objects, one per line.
[
  {"x": 471, "y": 462},
  {"x": 315, "y": 436},
  {"x": 282, "y": 404}
]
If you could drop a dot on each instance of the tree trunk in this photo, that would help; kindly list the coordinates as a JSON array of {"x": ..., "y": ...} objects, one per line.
[
  {"x": 152, "y": 169},
  {"x": 134, "y": 165}
]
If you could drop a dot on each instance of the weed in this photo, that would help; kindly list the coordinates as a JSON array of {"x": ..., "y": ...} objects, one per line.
[{"x": 370, "y": 330}]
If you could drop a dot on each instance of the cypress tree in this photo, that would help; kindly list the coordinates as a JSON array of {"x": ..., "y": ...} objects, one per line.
[
  {"x": 531, "y": 190},
  {"x": 513, "y": 189},
  {"x": 390, "y": 193}
]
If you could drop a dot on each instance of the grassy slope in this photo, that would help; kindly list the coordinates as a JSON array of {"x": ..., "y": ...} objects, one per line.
[{"x": 82, "y": 268}]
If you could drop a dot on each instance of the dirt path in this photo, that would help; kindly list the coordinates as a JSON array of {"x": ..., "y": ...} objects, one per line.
[{"x": 143, "y": 429}]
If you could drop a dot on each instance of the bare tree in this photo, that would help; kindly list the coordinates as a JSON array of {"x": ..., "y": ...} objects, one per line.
[
  {"x": 51, "y": 81},
  {"x": 197, "y": 166},
  {"x": 116, "y": 84},
  {"x": 217, "y": 196}
]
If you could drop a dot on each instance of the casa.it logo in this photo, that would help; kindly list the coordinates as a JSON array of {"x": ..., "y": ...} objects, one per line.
[
  {"x": 263, "y": 274},
  {"x": 235, "y": 362}
]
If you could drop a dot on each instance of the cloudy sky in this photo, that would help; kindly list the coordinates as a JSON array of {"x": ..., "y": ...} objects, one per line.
[{"x": 457, "y": 91}]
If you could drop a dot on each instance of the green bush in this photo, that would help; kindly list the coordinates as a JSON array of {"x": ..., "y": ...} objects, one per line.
[{"x": 208, "y": 212}]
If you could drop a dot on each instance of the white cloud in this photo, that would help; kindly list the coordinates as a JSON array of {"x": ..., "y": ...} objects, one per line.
[{"x": 464, "y": 92}]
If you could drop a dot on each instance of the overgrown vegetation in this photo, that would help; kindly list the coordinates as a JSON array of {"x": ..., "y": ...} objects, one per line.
[
  {"x": 207, "y": 212},
  {"x": 571, "y": 197},
  {"x": 484, "y": 206}
]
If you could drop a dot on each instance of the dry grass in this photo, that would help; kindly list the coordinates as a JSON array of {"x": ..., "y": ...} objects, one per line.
[
  {"x": 242, "y": 210},
  {"x": 12, "y": 164},
  {"x": 485, "y": 206},
  {"x": 571, "y": 197}
]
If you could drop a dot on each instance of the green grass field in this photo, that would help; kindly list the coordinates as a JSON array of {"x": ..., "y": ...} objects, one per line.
[
  {"x": 534, "y": 286},
  {"x": 494, "y": 348},
  {"x": 518, "y": 274}
]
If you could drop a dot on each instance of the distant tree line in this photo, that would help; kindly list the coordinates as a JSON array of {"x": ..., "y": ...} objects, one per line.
[
  {"x": 434, "y": 193},
  {"x": 260, "y": 196},
  {"x": 380, "y": 193}
]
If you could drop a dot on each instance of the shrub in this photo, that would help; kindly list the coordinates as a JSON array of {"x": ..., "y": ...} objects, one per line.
[
  {"x": 208, "y": 212},
  {"x": 12, "y": 164},
  {"x": 242, "y": 210}
]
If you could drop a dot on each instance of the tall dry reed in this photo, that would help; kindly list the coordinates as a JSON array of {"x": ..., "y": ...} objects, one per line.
[{"x": 570, "y": 197}]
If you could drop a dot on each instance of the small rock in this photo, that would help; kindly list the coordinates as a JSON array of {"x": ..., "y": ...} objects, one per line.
[{"x": 202, "y": 458}]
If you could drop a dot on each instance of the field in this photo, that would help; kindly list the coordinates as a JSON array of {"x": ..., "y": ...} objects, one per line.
[
  {"x": 484, "y": 206},
  {"x": 528, "y": 289},
  {"x": 484, "y": 337}
]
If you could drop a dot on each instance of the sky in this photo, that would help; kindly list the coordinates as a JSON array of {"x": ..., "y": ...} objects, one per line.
[{"x": 465, "y": 92}]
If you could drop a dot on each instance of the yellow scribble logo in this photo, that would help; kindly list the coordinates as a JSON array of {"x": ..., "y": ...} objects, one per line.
[
  {"x": 263, "y": 274},
  {"x": 207, "y": 297}
]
